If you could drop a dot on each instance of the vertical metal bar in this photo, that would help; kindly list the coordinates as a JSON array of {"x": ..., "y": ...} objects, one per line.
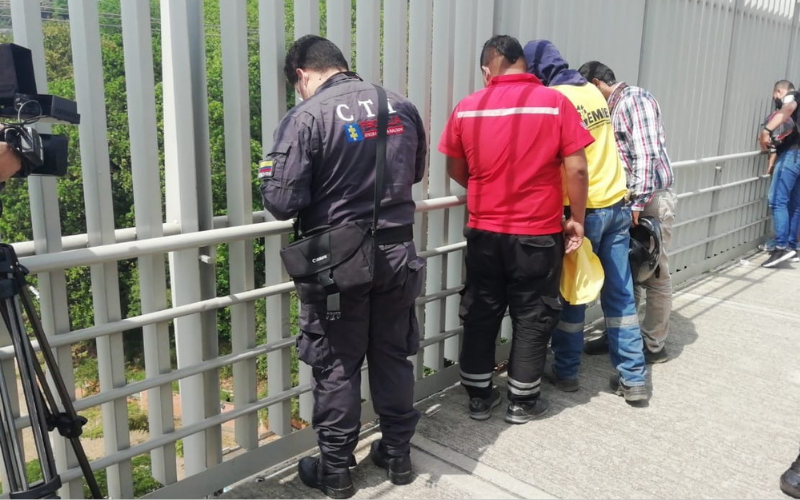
[
  {"x": 420, "y": 41},
  {"x": 340, "y": 26},
  {"x": 462, "y": 85},
  {"x": 483, "y": 31},
  {"x": 181, "y": 201},
  {"x": 395, "y": 47},
  {"x": 368, "y": 25},
  {"x": 239, "y": 178},
  {"x": 307, "y": 399},
  {"x": 728, "y": 88},
  {"x": 140, "y": 86},
  {"x": 89, "y": 90},
  {"x": 527, "y": 22},
  {"x": 273, "y": 107},
  {"x": 205, "y": 220},
  {"x": 46, "y": 223},
  {"x": 441, "y": 97},
  {"x": 306, "y": 18},
  {"x": 792, "y": 37}
]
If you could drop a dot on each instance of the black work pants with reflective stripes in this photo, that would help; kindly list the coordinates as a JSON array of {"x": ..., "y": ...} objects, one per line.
[
  {"x": 379, "y": 323},
  {"x": 521, "y": 273}
]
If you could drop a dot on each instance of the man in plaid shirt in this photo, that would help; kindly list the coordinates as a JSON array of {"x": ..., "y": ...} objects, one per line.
[{"x": 639, "y": 130}]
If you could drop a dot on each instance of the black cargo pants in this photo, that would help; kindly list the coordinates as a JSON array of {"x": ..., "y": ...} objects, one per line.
[
  {"x": 378, "y": 323},
  {"x": 521, "y": 273}
]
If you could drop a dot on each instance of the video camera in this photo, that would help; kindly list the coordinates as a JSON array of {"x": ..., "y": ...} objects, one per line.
[{"x": 41, "y": 154}]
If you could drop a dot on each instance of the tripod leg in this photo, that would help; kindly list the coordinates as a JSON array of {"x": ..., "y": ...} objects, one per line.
[
  {"x": 12, "y": 448},
  {"x": 61, "y": 388},
  {"x": 26, "y": 360}
]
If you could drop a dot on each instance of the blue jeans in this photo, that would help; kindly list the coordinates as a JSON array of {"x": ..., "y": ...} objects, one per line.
[
  {"x": 608, "y": 230},
  {"x": 785, "y": 199}
]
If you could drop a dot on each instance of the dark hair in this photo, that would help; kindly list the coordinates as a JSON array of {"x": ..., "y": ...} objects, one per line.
[
  {"x": 312, "y": 52},
  {"x": 503, "y": 45},
  {"x": 596, "y": 69},
  {"x": 784, "y": 85}
]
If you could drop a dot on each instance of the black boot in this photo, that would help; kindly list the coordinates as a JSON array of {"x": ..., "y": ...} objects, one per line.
[
  {"x": 398, "y": 468},
  {"x": 334, "y": 485},
  {"x": 790, "y": 480},
  {"x": 597, "y": 345}
]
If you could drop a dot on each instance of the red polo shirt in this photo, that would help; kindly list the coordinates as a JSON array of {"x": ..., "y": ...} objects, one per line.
[{"x": 514, "y": 135}]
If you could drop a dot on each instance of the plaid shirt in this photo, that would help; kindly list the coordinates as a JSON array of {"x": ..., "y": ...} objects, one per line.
[{"x": 642, "y": 143}]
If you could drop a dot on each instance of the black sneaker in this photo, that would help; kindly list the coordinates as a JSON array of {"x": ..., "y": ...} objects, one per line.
[
  {"x": 334, "y": 485},
  {"x": 597, "y": 345},
  {"x": 630, "y": 393},
  {"x": 398, "y": 468},
  {"x": 521, "y": 413},
  {"x": 779, "y": 255},
  {"x": 790, "y": 480},
  {"x": 562, "y": 384},
  {"x": 481, "y": 409},
  {"x": 651, "y": 357}
]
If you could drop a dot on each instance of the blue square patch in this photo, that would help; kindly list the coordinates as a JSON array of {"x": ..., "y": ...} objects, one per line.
[{"x": 353, "y": 132}]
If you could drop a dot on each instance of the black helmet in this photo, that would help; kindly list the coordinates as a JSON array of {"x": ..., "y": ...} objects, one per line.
[{"x": 645, "y": 248}]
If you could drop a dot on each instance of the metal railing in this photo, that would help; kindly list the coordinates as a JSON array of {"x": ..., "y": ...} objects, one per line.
[{"x": 728, "y": 244}]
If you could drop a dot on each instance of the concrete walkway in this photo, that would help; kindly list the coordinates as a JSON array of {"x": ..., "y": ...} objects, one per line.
[{"x": 723, "y": 420}]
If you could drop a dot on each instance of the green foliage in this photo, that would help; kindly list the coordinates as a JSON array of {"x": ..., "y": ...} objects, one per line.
[
  {"x": 94, "y": 425},
  {"x": 33, "y": 470},
  {"x": 143, "y": 480},
  {"x": 137, "y": 418}
]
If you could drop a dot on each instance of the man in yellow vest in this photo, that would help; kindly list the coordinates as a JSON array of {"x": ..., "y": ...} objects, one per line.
[{"x": 607, "y": 226}]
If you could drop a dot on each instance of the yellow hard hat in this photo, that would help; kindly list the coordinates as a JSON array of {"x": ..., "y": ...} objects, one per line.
[{"x": 582, "y": 275}]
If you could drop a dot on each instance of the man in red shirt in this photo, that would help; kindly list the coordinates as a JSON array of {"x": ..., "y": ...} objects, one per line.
[{"x": 506, "y": 144}]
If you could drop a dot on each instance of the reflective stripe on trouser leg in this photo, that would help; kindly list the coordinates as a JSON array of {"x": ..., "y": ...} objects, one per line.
[
  {"x": 524, "y": 389},
  {"x": 567, "y": 341},
  {"x": 616, "y": 298},
  {"x": 623, "y": 322},
  {"x": 483, "y": 304},
  {"x": 476, "y": 380}
]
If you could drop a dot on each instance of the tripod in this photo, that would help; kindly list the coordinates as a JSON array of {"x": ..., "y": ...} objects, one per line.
[{"x": 42, "y": 408}]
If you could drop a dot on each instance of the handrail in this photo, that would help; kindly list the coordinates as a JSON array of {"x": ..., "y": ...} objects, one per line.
[
  {"x": 69, "y": 243},
  {"x": 716, "y": 159}
]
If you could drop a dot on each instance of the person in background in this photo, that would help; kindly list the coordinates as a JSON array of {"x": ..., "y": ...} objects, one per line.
[
  {"x": 607, "y": 225},
  {"x": 783, "y": 131},
  {"x": 506, "y": 144},
  {"x": 642, "y": 143},
  {"x": 785, "y": 195}
]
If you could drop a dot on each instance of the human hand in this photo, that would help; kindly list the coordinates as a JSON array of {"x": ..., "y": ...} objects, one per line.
[
  {"x": 765, "y": 140},
  {"x": 10, "y": 162},
  {"x": 573, "y": 232},
  {"x": 635, "y": 218}
]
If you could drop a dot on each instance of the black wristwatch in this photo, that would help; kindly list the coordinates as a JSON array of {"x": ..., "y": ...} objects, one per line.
[{"x": 768, "y": 130}]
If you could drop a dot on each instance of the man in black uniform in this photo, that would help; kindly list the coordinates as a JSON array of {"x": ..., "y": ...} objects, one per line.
[{"x": 322, "y": 169}]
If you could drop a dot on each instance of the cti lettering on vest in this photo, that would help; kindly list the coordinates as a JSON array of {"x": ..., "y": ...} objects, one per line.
[{"x": 344, "y": 113}]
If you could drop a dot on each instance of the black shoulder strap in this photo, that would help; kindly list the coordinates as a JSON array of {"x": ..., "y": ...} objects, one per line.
[{"x": 380, "y": 153}]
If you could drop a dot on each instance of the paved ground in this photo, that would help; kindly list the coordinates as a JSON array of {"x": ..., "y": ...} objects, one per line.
[{"x": 723, "y": 420}]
